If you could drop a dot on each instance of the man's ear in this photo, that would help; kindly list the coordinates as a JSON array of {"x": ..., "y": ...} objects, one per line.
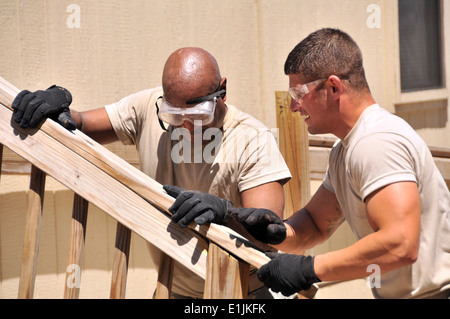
[
  {"x": 223, "y": 86},
  {"x": 336, "y": 86}
]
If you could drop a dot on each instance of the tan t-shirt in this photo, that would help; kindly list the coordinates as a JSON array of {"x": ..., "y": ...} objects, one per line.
[
  {"x": 380, "y": 150},
  {"x": 243, "y": 155}
]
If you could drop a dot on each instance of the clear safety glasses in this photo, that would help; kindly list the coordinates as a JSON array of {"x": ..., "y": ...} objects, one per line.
[
  {"x": 203, "y": 110},
  {"x": 298, "y": 92}
]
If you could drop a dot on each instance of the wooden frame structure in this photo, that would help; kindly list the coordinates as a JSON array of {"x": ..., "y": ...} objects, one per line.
[
  {"x": 89, "y": 169},
  {"x": 136, "y": 201}
]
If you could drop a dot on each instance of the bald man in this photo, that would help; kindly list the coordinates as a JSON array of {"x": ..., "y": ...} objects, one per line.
[{"x": 185, "y": 135}]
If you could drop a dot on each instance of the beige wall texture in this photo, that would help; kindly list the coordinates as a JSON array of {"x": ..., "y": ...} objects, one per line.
[{"x": 103, "y": 50}]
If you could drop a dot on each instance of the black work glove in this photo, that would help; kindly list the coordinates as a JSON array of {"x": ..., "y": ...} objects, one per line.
[
  {"x": 32, "y": 107},
  {"x": 263, "y": 224},
  {"x": 287, "y": 273},
  {"x": 197, "y": 206},
  {"x": 202, "y": 208}
]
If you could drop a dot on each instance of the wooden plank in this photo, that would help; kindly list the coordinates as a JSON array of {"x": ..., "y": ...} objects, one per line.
[
  {"x": 165, "y": 277},
  {"x": 318, "y": 154},
  {"x": 443, "y": 152},
  {"x": 1, "y": 168},
  {"x": 122, "y": 172},
  {"x": 89, "y": 169},
  {"x": 443, "y": 165},
  {"x": 104, "y": 191},
  {"x": 32, "y": 230},
  {"x": 318, "y": 158},
  {"x": 120, "y": 265},
  {"x": 76, "y": 247},
  {"x": 1, "y": 159},
  {"x": 227, "y": 277},
  {"x": 7, "y": 92},
  {"x": 294, "y": 146},
  {"x": 322, "y": 140}
]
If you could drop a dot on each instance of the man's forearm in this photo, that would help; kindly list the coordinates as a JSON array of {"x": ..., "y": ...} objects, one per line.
[
  {"x": 77, "y": 118},
  {"x": 302, "y": 233},
  {"x": 353, "y": 262},
  {"x": 95, "y": 124}
]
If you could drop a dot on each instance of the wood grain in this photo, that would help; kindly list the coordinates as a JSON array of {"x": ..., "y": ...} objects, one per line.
[
  {"x": 96, "y": 174},
  {"x": 294, "y": 146},
  {"x": 32, "y": 230},
  {"x": 227, "y": 277},
  {"x": 76, "y": 246}
]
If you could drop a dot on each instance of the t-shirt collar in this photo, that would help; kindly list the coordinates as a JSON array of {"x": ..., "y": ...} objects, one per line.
[{"x": 346, "y": 141}]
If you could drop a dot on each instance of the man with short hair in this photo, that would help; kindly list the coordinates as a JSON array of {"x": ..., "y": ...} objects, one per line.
[
  {"x": 381, "y": 178},
  {"x": 186, "y": 136}
]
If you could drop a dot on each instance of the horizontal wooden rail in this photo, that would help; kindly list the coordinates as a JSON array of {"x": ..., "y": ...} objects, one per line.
[
  {"x": 328, "y": 141},
  {"x": 319, "y": 148}
]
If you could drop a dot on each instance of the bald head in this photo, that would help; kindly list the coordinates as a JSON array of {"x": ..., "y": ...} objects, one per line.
[{"x": 190, "y": 73}]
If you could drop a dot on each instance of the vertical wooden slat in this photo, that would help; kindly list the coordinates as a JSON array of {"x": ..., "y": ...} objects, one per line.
[
  {"x": 1, "y": 161},
  {"x": 1, "y": 158},
  {"x": 32, "y": 229},
  {"x": 294, "y": 146},
  {"x": 165, "y": 275},
  {"x": 226, "y": 277},
  {"x": 76, "y": 247},
  {"x": 120, "y": 265}
]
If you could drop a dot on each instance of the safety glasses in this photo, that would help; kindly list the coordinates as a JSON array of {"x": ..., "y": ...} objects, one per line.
[
  {"x": 202, "y": 111},
  {"x": 299, "y": 91}
]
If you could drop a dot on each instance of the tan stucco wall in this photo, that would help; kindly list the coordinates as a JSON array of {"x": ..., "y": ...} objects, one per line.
[{"x": 119, "y": 47}]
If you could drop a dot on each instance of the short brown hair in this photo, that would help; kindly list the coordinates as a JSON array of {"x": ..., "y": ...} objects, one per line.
[{"x": 328, "y": 52}]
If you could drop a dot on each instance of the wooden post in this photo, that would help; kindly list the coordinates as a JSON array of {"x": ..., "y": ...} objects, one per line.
[
  {"x": 120, "y": 266},
  {"x": 165, "y": 276},
  {"x": 76, "y": 248},
  {"x": 226, "y": 277},
  {"x": 32, "y": 230},
  {"x": 1, "y": 161},
  {"x": 1, "y": 158},
  {"x": 294, "y": 146}
]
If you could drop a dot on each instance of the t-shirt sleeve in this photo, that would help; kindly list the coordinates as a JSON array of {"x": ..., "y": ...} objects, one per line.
[
  {"x": 380, "y": 159},
  {"x": 261, "y": 162},
  {"x": 127, "y": 115},
  {"x": 326, "y": 182}
]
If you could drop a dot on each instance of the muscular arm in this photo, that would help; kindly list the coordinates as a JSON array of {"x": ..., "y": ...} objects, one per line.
[
  {"x": 394, "y": 215},
  {"x": 314, "y": 223},
  {"x": 269, "y": 196},
  {"x": 95, "y": 124}
]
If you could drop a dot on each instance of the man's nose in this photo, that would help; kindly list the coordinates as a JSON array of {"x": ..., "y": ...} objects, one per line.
[
  {"x": 191, "y": 127},
  {"x": 188, "y": 126},
  {"x": 295, "y": 106}
]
